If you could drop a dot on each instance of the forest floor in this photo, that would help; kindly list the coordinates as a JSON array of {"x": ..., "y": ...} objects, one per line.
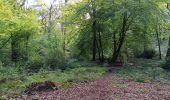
[{"x": 108, "y": 87}]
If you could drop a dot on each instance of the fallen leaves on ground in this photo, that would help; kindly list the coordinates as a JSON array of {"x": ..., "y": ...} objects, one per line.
[{"x": 109, "y": 87}]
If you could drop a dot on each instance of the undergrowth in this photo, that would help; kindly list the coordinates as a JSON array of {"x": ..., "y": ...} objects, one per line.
[
  {"x": 12, "y": 83},
  {"x": 146, "y": 72}
]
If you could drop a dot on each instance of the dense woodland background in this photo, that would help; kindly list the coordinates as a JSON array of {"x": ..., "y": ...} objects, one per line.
[{"x": 60, "y": 39}]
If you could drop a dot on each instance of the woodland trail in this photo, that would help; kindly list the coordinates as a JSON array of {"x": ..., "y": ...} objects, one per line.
[{"x": 109, "y": 87}]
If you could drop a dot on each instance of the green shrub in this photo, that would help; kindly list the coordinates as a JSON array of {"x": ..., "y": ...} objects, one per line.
[
  {"x": 143, "y": 74},
  {"x": 137, "y": 53},
  {"x": 33, "y": 65},
  {"x": 7, "y": 72},
  {"x": 148, "y": 54},
  {"x": 55, "y": 60},
  {"x": 166, "y": 64},
  {"x": 45, "y": 53}
]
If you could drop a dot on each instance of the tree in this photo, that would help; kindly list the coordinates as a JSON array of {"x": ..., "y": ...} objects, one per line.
[
  {"x": 18, "y": 27},
  {"x": 110, "y": 24}
]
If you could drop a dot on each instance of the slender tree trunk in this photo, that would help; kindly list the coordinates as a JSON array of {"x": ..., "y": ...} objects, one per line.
[
  {"x": 121, "y": 39},
  {"x": 94, "y": 27},
  {"x": 114, "y": 42},
  {"x": 98, "y": 49},
  {"x": 101, "y": 47},
  {"x": 168, "y": 51},
  {"x": 94, "y": 40},
  {"x": 117, "y": 52},
  {"x": 114, "y": 46},
  {"x": 145, "y": 46},
  {"x": 158, "y": 39}
]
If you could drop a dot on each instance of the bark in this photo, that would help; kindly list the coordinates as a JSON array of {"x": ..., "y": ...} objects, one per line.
[
  {"x": 94, "y": 27},
  {"x": 98, "y": 49},
  {"x": 168, "y": 51},
  {"x": 121, "y": 39},
  {"x": 117, "y": 52},
  {"x": 101, "y": 47},
  {"x": 158, "y": 39},
  {"x": 114, "y": 42},
  {"x": 94, "y": 40},
  {"x": 145, "y": 45}
]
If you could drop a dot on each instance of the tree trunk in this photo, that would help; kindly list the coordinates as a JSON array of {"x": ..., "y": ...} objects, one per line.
[
  {"x": 117, "y": 52},
  {"x": 145, "y": 44},
  {"x": 158, "y": 39},
  {"x": 114, "y": 42},
  {"x": 98, "y": 48},
  {"x": 94, "y": 40},
  {"x": 94, "y": 27},
  {"x": 101, "y": 47},
  {"x": 121, "y": 39},
  {"x": 168, "y": 51}
]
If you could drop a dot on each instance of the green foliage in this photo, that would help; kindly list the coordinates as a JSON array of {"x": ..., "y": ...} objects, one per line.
[
  {"x": 144, "y": 73},
  {"x": 74, "y": 63},
  {"x": 142, "y": 15},
  {"x": 148, "y": 54},
  {"x": 13, "y": 85},
  {"x": 17, "y": 25},
  {"x": 166, "y": 64},
  {"x": 45, "y": 53},
  {"x": 39, "y": 45}
]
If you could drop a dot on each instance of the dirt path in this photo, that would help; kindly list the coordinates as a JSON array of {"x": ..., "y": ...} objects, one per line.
[{"x": 109, "y": 87}]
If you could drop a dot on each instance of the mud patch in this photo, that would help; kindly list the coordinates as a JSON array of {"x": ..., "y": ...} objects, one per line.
[{"x": 41, "y": 87}]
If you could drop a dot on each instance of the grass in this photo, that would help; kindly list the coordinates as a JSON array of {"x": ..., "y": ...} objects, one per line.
[
  {"x": 15, "y": 82},
  {"x": 144, "y": 71}
]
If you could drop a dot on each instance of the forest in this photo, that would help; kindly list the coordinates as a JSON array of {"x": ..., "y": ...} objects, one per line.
[{"x": 84, "y": 50}]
